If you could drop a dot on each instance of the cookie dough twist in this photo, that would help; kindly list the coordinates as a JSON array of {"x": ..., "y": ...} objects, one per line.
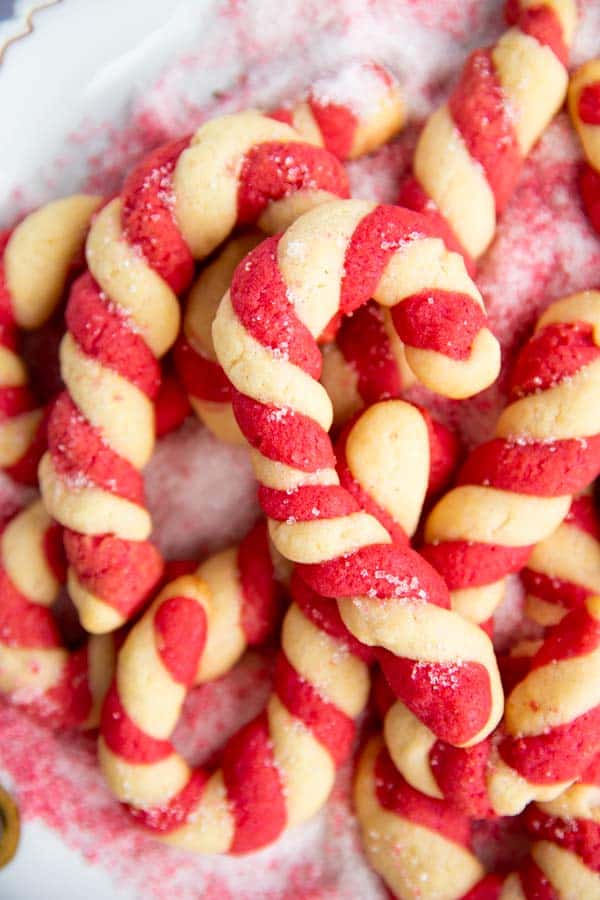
[
  {"x": 565, "y": 856},
  {"x": 64, "y": 687},
  {"x": 36, "y": 258},
  {"x": 350, "y": 112},
  {"x": 564, "y": 569},
  {"x": 276, "y": 771},
  {"x": 471, "y": 150},
  {"x": 549, "y": 735},
  {"x": 584, "y": 107},
  {"x": 123, "y": 315},
  {"x": 287, "y": 289},
  {"x": 419, "y": 845},
  {"x": 516, "y": 489}
]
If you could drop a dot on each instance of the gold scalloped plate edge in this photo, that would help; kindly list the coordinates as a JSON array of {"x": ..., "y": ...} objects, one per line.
[{"x": 28, "y": 26}]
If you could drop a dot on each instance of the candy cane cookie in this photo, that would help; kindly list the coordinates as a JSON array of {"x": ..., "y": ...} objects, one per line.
[
  {"x": 349, "y": 123},
  {"x": 64, "y": 687},
  {"x": 321, "y": 681},
  {"x": 584, "y": 107},
  {"x": 471, "y": 150},
  {"x": 515, "y": 490},
  {"x": 565, "y": 859},
  {"x": 350, "y": 112},
  {"x": 123, "y": 315},
  {"x": 36, "y": 258},
  {"x": 564, "y": 569},
  {"x": 273, "y": 363},
  {"x": 419, "y": 845},
  {"x": 549, "y": 735}
]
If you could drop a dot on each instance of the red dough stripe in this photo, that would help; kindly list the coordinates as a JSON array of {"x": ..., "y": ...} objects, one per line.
[
  {"x": 531, "y": 467},
  {"x": 122, "y": 573},
  {"x": 337, "y": 124},
  {"x": 480, "y": 112},
  {"x": 267, "y": 313},
  {"x": 283, "y": 434},
  {"x": 553, "y": 354},
  {"x": 331, "y": 727},
  {"x": 589, "y": 104},
  {"x": 81, "y": 456},
  {"x": 201, "y": 377},
  {"x": 579, "y": 836},
  {"x": 22, "y": 623},
  {"x": 376, "y": 238},
  {"x": 444, "y": 321},
  {"x": 553, "y": 590},
  {"x": 68, "y": 703},
  {"x": 124, "y": 737},
  {"x": 180, "y": 625},
  {"x": 364, "y": 343},
  {"x": 466, "y": 564},
  {"x": 396, "y": 795},
  {"x": 307, "y": 502},
  {"x": 148, "y": 219},
  {"x": 421, "y": 685},
  {"x": 254, "y": 787},
  {"x": 534, "y": 884},
  {"x": 541, "y": 23},
  {"x": 105, "y": 335},
  {"x": 273, "y": 170},
  {"x": 386, "y": 571}
]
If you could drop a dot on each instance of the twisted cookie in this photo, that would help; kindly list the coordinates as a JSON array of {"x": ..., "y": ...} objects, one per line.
[
  {"x": 348, "y": 122},
  {"x": 470, "y": 153},
  {"x": 584, "y": 106},
  {"x": 565, "y": 857},
  {"x": 178, "y": 204},
  {"x": 35, "y": 260},
  {"x": 279, "y": 769},
  {"x": 282, "y": 295},
  {"x": 549, "y": 735},
  {"x": 515, "y": 490},
  {"x": 349, "y": 112},
  {"x": 37, "y": 671},
  {"x": 420, "y": 846}
]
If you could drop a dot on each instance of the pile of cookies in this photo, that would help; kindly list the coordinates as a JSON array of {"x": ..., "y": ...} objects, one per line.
[{"x": 311, "y": 315}]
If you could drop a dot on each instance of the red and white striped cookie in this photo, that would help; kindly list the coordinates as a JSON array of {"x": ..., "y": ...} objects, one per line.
[
  {"x": 470, "y": 153},
  {"x": 276, "y": 771},
  {"x": 584, "y": 106},
  {"x": 336, "y": 258},
  {"x": 36, "y": 258},
  {"x": 419, "y": 845},
  {"x": 549, "y": 735},
  {"x": 64, "y": 687},
  {"x": 565, "y": 857},
  {"x": 516, "y": 489},
  {"x": 280, "y": 769},
  {"x": 176, "y": 206},
  {"x": 350, "y": 112}
]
